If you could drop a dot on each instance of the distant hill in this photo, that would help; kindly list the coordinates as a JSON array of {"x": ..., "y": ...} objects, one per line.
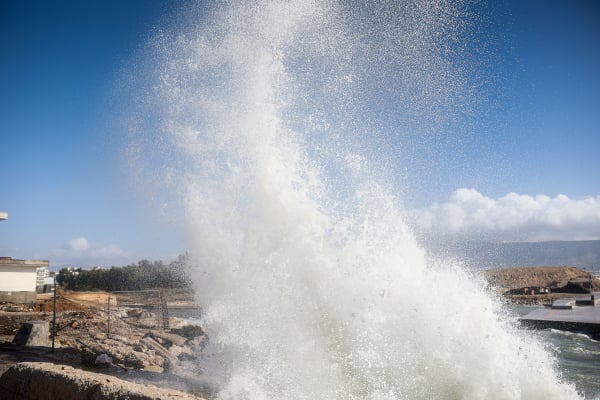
[{"x": 582, "y": 254}]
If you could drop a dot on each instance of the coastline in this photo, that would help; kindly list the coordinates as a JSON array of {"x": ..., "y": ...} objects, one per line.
[{"x": 140, "y": 352}]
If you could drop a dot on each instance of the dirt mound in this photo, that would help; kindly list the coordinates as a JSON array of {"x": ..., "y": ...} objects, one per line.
[
  {"x": 519, "y": 277},
  {"x": 46, "y": 381},
  {"x": 62, "y": 304}
]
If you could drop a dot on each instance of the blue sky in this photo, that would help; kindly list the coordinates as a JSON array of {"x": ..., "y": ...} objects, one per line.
[
  {"x": 556, "y": 90},
  {"x": 65, "y": 190},
  {"x": 61, "y": 177}
]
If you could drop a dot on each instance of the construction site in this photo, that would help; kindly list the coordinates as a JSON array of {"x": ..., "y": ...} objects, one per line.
[{"x": 128, "y": 335}]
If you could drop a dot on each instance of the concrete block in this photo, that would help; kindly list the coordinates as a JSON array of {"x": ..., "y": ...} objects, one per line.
[{"x": 33, "y": 333}]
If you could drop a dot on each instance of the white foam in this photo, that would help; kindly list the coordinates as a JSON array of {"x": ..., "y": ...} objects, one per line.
[{"x": 313, "y": 285}]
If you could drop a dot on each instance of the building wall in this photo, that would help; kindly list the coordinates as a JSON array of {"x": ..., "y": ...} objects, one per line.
[
  {"x": 42, "y": 274},
  {"x": 17, "y": 278},
  {"x": 18, "y": 297}
]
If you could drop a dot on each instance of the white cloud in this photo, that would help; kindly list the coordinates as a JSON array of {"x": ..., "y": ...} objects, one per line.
[
  {"x": 469, "y": 214},
  {"x": 80, "y": 251},
  {"x": 79, "y": 244}
]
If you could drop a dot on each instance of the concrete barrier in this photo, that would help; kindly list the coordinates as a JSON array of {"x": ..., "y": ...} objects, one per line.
[{"x": 33, "y": 333}]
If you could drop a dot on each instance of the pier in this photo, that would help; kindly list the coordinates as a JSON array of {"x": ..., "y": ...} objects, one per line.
[{"x": 580, "y": 314}]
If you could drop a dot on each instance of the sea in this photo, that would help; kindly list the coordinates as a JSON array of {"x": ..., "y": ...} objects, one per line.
[{"x": 577, "y": 354}]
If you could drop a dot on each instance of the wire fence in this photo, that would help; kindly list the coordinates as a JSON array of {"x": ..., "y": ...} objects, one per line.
[{"x": 144, "y": 308}]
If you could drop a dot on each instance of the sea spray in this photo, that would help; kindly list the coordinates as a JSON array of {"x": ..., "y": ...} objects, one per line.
[{"x": 266, "y": 124}]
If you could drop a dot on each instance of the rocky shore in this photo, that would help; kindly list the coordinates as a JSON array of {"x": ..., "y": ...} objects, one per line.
[
  {"x": 123, "y": 345},
  {"x": 126, "y": 355}
]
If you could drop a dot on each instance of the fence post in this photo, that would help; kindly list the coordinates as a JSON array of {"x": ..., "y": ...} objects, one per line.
[
  {"x": 54, "y": 314},
  {"x": 164, "y": 310},
  {"x": 108, "y": 321}
]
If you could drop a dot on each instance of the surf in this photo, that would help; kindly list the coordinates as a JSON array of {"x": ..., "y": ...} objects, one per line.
[{"x": 274, "y": 133}]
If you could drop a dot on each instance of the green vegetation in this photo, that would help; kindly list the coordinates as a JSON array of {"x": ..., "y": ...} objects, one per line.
[{"x": 141, "y": 276}]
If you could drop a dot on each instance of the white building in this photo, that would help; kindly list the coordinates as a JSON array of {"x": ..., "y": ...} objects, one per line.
[
  {"x": 18, "y": 279},
  {"x": 43, "y": 273}
]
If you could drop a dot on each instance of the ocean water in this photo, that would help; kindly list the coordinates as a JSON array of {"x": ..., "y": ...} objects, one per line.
[
  {"x": 577, "y": 355},
  {"x": 274, "y": 133}
]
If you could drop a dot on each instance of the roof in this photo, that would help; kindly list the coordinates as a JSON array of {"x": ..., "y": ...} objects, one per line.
[{"x": 25, "y": 263}]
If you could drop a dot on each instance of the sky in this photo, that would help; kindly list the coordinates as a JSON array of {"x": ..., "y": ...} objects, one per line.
[{"x": 535, "y": 165}]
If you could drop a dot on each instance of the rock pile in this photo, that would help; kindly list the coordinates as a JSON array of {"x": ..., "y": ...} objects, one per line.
[
  {"x": 154, "y": 350},
  {"x": 128, "y": 343}
]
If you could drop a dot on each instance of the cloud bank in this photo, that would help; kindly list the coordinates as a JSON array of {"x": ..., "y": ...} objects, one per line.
[
  {"x": 80, "y": 252},
  {"x": 469, "y": 215}
]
